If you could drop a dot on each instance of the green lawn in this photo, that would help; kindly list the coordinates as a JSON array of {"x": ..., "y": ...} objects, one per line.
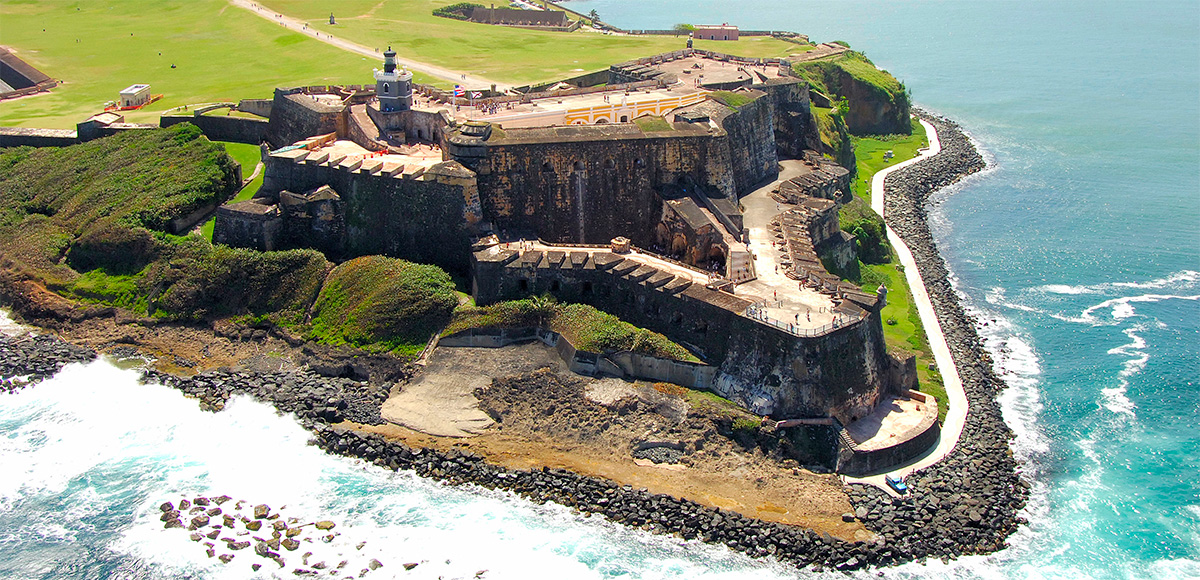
[
  {"x": 248, "y": 156},
  {"x": 902, "y": 328},
  {"x": 501, "y": 53},
  {"x": 869, "y": 152},
  {"x": 221, "y": 53}
]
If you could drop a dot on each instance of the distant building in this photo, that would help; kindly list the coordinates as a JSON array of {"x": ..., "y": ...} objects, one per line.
[
  {"x": 135, "y": 96},
  {"x": 714, "y": 32},
  {"x": 517, "y": 17}
]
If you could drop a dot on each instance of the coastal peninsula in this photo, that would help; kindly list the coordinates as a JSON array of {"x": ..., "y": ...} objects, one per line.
[{"x": 613, "y": 296}]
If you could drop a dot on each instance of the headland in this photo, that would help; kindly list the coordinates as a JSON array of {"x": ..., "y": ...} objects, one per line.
[{"x": 665, "y": 244}]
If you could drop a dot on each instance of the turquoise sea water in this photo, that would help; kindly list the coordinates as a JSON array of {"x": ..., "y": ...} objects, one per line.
[{"x": 1080, "y": 248}]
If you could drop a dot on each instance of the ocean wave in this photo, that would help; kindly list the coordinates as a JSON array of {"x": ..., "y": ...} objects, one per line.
[
  {"x": 1178, "y": 280},
  {"x": 1122, "y": 308}
]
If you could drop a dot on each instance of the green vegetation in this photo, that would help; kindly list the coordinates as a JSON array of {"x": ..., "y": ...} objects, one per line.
[
  {"x": 221, "y": 53},
  {"x": 869, "y": 155},
  {"x": 383, "y": 304},
  {"x": 502, "y": 53},
  {"x": 868, "y": 229},
  {"x": 587, "y": 328},
  {"x": 831, "y": 126},
  {"x": 903, "y": 330},
  {"x": 460, "y": 11},
  {"x": 650, "y": 124},
  {"x": 90, "y": 221},
  {"x": 849, "y": 75},
  {"x": 103, "y": 197},
  {"x": 730, "y": 99},
  {"x": 248, "y": 156}
]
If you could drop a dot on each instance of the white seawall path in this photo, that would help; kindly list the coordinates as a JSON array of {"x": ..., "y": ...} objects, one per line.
[{"x": 956, "y": 414}]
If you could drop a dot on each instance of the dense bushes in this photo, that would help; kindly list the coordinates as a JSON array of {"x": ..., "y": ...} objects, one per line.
[
  {"x": 460, "y": 11},
  {"x": 868, "y": 229},
  {"x": 93, "y": 201},
  {"x": 383, "y": 304}
]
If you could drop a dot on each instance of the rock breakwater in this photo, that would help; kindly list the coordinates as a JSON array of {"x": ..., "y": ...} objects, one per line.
[{"x": 27, "y": 359}]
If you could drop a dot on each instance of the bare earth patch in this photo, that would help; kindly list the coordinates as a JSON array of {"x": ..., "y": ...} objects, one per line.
[{"x": 542, "y": 415}]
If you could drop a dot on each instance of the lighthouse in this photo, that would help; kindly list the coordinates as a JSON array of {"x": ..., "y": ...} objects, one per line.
[{"x": 393, "y": 87}]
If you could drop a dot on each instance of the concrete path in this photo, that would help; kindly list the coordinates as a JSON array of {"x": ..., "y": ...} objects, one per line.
[
  {"x": 466, "y": 79},
  {"x": 956, "y": 415}
]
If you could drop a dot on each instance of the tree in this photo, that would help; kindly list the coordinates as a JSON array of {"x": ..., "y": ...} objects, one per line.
[
  {"x": 595, "y": 18},
  {"x": 683, "y": 28}
]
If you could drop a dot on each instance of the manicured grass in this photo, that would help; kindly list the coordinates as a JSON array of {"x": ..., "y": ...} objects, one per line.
[
  {"x": 651, "y": 124},
  {"x": 869, "y": 152},
  {"x": 501, "y": 53},
  {"x": 248, "y": 156},
  {"x": 731, "y": 99},
  {"x": 902, "y": 328},
  {"x": 221, "y": 53}
]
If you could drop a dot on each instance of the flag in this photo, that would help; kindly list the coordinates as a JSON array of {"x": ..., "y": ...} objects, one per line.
[
  {"x": 476, "y": 95},
  {"x": 459, "y": 91}
]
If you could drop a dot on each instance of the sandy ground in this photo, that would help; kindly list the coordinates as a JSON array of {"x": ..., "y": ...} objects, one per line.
[{"x": 551, "y": 417}]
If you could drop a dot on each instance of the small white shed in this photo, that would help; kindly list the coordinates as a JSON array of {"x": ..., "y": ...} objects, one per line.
[{"x": 135, "y": 95}]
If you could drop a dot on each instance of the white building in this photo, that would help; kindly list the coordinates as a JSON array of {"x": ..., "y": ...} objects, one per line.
[{"x": 135, "y": 96}]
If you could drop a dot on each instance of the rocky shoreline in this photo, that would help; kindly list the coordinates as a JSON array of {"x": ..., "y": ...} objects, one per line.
[{"x": 966, "y": 504}]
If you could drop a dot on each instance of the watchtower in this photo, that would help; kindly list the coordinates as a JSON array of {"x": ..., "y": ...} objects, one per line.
[{"x": 393, "y": 87}]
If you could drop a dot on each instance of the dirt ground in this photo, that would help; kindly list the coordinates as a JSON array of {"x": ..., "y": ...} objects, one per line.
[{"x": 543, "y": 415}]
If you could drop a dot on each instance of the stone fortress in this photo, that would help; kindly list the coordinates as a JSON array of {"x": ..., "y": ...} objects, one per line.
[{"x": 685, "y": 193}]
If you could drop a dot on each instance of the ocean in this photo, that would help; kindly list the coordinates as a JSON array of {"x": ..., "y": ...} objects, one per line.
[{"x": 1079, "y": 250}]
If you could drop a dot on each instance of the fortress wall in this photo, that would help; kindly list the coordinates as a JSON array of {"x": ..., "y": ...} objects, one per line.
[
  {"x": 792, "y": 121},
  {"x": 587, "y": 191},
  {"x": 420, "y": 125},
  {"x": 843, "y": 373},
  {"x": 260, "y": 107},
  {"x": 223, "y": 128},
  {"x": 858, "y": 461},
  {"x": 751, "y": 142},
  {"x": 296, "y": 116},
  {"x": 417, "y": 219}
]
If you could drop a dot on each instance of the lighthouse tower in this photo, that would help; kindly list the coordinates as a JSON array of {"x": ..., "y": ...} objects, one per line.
[{"x": 393, "y": 87}]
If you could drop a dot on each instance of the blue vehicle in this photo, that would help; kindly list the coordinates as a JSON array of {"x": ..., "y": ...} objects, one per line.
[{"x": 897, "y": 484}]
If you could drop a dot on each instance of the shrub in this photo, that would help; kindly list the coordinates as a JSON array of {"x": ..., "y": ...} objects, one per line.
[
  {"x": 460, "y": 11},
  {"x": 384, "y": 304}
]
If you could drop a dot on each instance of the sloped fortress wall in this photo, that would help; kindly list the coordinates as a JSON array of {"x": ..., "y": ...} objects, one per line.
[{"x": 841, "y": 373}]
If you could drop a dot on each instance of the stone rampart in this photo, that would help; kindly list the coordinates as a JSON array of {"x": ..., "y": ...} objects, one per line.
[
  {"x": 858, "y": 460},
  {"x": 222, "y": 127},
  {"x": 589, "y": 183},
  {"x": 297, "y": 115},
  {"x": 842, "y": 371},
  {"x": 412, "y": 214}
]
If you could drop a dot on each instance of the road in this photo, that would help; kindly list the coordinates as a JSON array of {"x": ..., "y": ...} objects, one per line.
[
  {"x": 464, "y": 78},
  {"x": 956, "y": 415}
]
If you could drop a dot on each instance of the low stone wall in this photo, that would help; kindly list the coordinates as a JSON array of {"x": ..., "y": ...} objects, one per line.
[
  {"x": 856, "y": 461},
  {"x": 222, "y": 127},
  {"x": 31, "y": 137}
]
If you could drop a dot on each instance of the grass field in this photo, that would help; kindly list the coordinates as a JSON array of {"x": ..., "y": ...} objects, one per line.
[
  {"x": 869, "y": 152},
  {"x": 248, "y": 157},
  {"x": 497, "y": 52},
  {"x": 221, "y": 53}
]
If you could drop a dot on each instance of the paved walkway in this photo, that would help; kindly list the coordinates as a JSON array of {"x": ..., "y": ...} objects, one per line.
[
  {"x": 466, "y": 79},
  {"x": 793, "y": 304},
  {"x": 956, "y": 415}
]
